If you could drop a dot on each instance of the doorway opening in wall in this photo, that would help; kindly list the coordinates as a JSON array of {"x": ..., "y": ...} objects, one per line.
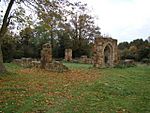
[{"x": 108, "y": 55}]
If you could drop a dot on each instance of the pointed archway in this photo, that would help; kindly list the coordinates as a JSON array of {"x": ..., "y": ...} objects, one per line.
[
  {"x": 105, "y": 52},
  {"x": 108, "y": 55}
]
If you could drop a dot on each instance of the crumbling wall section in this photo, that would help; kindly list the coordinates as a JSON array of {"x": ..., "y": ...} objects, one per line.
[
  {"x": 68, "y": 54},
  {"x": 46, "y": 55},
  {"x": 99, "y": 49},
  {"x": 45, "y": 62}
]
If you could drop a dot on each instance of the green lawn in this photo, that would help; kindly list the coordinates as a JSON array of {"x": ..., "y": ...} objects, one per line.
[
  {"x": 78, "y": 65},
  {"x": 81, "y": 90}
]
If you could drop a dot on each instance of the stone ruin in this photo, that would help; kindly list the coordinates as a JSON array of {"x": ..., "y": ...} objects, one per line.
[
  {"x": 68, "y": 54},
  {"x": 128, "y": 62},
  {"x": 84, "y": 59},
  {"x": 45, "y": 62},
  {"x": 105, "y": 52},
  {"x": 105, "y": 55},
  {"x": 56, "y": 66},
  {"x": 27, "y": 62},
  {"x": 46, "y": 55}
]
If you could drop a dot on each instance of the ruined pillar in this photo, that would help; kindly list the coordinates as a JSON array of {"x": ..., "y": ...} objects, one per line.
[
  {"x": 46, "y": 55},
  {"x": 98, "y": 53},
  {"x": 68, "y": 54}
]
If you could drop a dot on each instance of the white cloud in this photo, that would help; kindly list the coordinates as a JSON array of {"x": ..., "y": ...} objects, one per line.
[{"x": 122, "y": 19}]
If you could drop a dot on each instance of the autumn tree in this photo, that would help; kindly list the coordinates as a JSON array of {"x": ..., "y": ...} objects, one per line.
[
  {"x": 9, "y": 47},
  {"x": 71, "y": 18},
  {"x": 81, "y": 28},
  {"x": 13, "y": 17},
  {"x": 3, "y": 31},
  {"x": 137, "y": 49},
  {"x": 123, "y": 45},
  {"x": 51, "y": 14},
  {"x": 64, "y": 42}
]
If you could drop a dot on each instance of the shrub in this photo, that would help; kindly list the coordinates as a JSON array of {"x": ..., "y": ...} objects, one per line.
[
  {"x": 125, "y": 64},
  {"x": 146, "y": 60}
]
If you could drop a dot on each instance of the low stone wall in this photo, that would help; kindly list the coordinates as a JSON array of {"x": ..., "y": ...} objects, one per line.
[
  {"x": 36, "y": 64},
  {"x": 17, "y": 61},
  {"x": 27, "y": 62},
  {"x": 55, "y": 66},
  {"x": 128, "y": 62},
  {"x": 84, "y": 59}
]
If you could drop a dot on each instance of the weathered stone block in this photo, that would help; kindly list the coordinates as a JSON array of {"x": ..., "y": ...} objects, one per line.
[
  {"x": 46, "y": 55},
  {"x": 56, "y": 67},
  {"x": 36, "y": 64},
  {"x": 68, "y": 54}
]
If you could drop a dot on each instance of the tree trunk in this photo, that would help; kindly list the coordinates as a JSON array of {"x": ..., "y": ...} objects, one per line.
[
  {"x": 2, "y": 67},
  {"x": 3, "y": 30}
]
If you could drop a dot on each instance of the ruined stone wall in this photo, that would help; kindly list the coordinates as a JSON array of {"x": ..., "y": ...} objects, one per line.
[
  {"x": 55, "y": 66},
  {"x": 84, "y": 59},
  {"x": 27, "y": 62},
  {"x": 46, "y": 54},
  {"x": 45, "y": 62},
  {"x": 68, "y": 54},
  {"x": 101, "y": 44}
]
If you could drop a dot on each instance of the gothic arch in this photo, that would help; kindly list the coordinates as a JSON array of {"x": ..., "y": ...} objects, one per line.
[
  {"x": 105, "y": 52},
  {"x": 108, "y": 55}
]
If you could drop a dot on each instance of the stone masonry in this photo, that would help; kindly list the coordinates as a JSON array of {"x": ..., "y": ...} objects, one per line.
[
  {"x": 84, "y": 59},
  {"x": 27, "y": 62},
  {"x": 46, "y": 54},
  {"x": 105, "y": 52},
  {"x": 45, "y": 62},
  {"x": 68, "y": 54}
]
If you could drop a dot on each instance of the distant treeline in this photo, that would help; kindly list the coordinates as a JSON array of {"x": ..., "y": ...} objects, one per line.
[{"x": 138, "y": 50}]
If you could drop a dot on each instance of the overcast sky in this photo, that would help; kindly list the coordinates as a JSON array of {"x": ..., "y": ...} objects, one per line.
[{"x": 124, "y": 20}]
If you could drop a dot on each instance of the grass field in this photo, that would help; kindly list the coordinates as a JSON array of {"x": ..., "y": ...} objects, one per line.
[{"x": 81, "y": 90}]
